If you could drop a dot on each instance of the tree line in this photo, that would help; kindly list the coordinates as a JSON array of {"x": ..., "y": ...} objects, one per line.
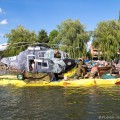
[{"x": 70, "y": 36}]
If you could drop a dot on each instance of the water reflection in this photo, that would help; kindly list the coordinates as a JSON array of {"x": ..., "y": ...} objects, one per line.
[{"x": 58, "y": 103}]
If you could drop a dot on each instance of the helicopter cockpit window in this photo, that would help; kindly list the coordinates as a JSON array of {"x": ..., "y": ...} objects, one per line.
[{"x": 43, "y": 54}]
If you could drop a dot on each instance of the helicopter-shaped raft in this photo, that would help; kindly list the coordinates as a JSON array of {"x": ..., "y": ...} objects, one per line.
[{"x": 40, "y": 59}]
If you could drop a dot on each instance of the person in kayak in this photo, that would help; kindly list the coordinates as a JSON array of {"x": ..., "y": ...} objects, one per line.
[
  {"x": 93, "y": 73},
  {"x": 80, "y": 69}
]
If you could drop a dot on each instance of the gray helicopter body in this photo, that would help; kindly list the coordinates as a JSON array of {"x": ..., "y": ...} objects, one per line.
[{"x": 44, "y": 61}]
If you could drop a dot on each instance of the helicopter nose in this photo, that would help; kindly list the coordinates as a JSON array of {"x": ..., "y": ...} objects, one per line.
[{"x": 69, "y": 64}]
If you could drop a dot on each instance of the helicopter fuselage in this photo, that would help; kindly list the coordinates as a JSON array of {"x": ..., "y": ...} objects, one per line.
[{"x": 41, "y": 60}]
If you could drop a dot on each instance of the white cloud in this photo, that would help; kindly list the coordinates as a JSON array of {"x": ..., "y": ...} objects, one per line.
[
  {"x": 1, "y": 10},
  {"x": 4, "y": 22},
  {"x": 1, "y": 34}
]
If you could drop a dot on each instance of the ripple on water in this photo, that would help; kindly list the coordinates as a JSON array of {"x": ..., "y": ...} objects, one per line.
[{"x": 58, "y": 103}]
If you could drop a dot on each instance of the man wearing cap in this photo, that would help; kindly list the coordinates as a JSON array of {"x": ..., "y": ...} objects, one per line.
[{"x": 57, "y": 54}]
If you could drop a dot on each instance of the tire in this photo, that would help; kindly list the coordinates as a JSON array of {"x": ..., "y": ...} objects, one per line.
[{"x": 20, "y": 77}]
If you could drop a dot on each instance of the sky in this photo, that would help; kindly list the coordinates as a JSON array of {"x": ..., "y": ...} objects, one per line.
[{"x": 47, "y": 14}]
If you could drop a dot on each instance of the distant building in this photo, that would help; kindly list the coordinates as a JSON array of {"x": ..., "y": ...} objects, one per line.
[{"x": 95, "y": 53}]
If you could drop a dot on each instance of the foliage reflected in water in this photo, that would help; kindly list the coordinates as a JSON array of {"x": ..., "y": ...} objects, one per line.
[{"x": 58, "y": 103}]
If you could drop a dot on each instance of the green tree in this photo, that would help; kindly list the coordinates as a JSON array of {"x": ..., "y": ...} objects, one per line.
[
  {"x": 19, "y": 39},
  {"x": 53, "y": 34},
  {"x": 43, "y": 37},
  {"x": 106, "y": 38},
  {"x": 72, "y": 38}
]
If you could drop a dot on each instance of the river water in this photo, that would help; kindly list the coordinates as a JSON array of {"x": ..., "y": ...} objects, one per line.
[{"x": 60, "y": 103}]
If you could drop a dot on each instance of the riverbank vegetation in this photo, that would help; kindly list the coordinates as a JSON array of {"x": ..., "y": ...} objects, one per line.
[
  {"x": 106, "y": 38},
  {"x": 70, "y": 36}
]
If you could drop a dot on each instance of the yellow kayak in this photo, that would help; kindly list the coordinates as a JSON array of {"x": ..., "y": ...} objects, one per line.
[{"x": 12, "y": 80}]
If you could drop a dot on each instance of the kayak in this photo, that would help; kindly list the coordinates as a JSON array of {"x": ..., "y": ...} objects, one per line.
[{"x": 12, "y": 80}]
